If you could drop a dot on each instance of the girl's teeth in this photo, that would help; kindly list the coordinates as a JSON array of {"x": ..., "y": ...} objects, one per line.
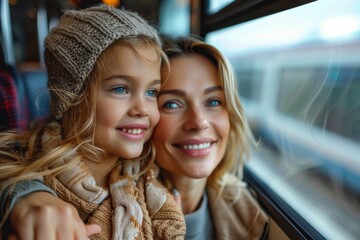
[{"x": 132, "y": 131}]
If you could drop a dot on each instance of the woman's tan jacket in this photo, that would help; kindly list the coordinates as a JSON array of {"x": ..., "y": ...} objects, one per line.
[{"x": 236, "y": 214}]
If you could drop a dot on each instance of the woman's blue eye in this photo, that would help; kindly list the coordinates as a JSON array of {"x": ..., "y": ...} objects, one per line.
[
  {"x": 120, "y": 90},
  {"x": 152, "y": 93},
  {"x": 171, "y": 105},
  {"x": 213, "y": 103}
]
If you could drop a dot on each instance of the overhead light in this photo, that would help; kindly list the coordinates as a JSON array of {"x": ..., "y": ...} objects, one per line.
[{"x": 114, "y": 3}]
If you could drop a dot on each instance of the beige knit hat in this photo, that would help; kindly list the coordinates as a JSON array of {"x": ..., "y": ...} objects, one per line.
[{"x": 72, "y": 48}]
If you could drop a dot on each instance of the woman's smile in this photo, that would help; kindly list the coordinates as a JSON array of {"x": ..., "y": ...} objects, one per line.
[{"x": 196, "y": 147}]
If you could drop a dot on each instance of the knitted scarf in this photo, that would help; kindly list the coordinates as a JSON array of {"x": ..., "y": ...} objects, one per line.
[{"x": 134, "y": 207}]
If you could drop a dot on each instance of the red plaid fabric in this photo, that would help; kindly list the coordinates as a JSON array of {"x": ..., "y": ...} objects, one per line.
[{"x": 9, "y": 103}]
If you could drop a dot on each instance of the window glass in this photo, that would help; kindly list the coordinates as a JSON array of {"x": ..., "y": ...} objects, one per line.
[
  {"x": 298, "y": 73},
  {"x": 24, "y": 29},
  {"x": 324, "y": 97},
  {"x": 216, "y": 5},
  {"x": 175, "y": 22},
  {"x": 248, "y": 86}
]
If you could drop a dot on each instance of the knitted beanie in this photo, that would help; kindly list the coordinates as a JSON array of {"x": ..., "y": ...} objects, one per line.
[{"x": 73, "y": 47}]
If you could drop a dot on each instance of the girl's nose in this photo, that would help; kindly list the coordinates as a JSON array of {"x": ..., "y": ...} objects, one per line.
[{"x": 139, "y": 108}]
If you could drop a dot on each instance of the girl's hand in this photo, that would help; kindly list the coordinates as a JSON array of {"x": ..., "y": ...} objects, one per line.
[{"x": 42, "y": 216}]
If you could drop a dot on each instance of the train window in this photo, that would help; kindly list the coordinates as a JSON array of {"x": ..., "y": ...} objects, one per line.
[
  {"x": 249, "y": 79},
  {"x": 25, "y": 38},
  {"x": 249, "y": 82},
  {"x": 29, "y": 28},
  {"x": 175, "y": 23},
  {"x": 322, "y": 97},
  {"x": 305, "y": 67}
]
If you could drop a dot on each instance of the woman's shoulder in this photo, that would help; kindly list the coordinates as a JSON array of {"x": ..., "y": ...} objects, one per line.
[
  {"x": 234, "y": 191},
  {"x": 236, "y": 212}
]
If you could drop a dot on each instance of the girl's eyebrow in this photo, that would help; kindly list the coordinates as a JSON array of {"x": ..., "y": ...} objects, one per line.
[
  {"x": 182, "y": 93},
  {"x": 130, "y": 78},
  {"x": 155, "y": 82},
  {"x": 124, "y": 77}
]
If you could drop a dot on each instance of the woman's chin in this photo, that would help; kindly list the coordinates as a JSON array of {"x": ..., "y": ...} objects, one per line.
[{"x": 202, "y": 173}]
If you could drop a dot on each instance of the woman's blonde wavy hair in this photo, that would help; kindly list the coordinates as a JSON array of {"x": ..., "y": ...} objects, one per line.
[
  {"x": 240, "y": 135},
  {"x": 21, "y": 155}
]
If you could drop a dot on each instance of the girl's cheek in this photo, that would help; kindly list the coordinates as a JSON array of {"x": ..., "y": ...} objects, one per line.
[{"x": 155, "y": 116}]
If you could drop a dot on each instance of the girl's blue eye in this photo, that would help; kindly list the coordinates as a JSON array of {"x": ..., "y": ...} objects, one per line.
[
  {"x": 170, "y": 105},
  {"x": 152, "y": 93},
  {"x": 120, "y": 90},
  {"x": 213, "y": 103}
]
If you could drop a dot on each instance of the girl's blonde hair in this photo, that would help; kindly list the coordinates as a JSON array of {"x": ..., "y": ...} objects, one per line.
[
  {"x": 240, "y": 136},
  {"x": 21, "y": 155}
]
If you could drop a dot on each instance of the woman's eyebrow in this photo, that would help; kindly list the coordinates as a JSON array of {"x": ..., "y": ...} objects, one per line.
[
  {"x": 212, "y": 89},
  {"x": 182, "y": 93},
  {"x": 172, "y": 91}
]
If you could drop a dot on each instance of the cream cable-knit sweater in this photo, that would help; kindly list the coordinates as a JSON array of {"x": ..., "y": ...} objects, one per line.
[{"x": 132, "y": 208}]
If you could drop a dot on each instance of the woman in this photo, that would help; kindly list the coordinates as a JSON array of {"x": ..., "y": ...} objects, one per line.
[{"x": 201, "y": 142}]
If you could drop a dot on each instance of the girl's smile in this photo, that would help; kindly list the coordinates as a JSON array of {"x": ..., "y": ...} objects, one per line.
[{"x": 135, "y": 132}]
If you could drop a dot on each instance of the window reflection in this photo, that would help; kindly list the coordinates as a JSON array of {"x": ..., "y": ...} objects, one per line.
[{"x": 326, "y": 97}]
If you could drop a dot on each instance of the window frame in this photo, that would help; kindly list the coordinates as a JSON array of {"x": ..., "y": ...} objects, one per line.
[
  {"x": 289, "y": 220},
  {"x": 242, "y": 11}
]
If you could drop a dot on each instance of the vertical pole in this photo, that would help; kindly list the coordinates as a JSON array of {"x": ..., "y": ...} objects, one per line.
[
  {"x": 43, "y": 28},
  {"x": 7, "y": 41}
]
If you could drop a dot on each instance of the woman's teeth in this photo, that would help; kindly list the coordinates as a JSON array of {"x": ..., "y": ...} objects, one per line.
[{"x": 196, "y": 146}]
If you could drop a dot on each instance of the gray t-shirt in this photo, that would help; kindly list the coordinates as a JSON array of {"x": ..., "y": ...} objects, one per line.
[
  {"x": 199, "y": 224},
  {"x": 10, "y": 195}
]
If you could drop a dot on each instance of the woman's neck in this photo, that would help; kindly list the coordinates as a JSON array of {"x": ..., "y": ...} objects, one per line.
[{"x": 190, "y": 189}]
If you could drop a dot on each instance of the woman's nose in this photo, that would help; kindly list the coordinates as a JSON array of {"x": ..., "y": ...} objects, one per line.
[{"x": 196, "y": 121}]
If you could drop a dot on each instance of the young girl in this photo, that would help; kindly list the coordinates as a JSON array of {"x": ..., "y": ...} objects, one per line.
[{"x": 103, "y": 75}]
